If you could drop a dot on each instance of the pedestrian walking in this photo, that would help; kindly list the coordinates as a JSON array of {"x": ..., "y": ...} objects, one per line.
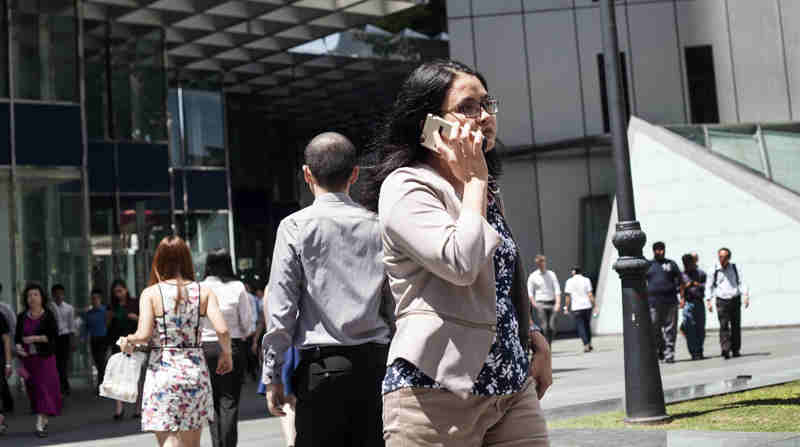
[
  {"x": 124, "y": 321},
  {"x": 731, "y": 292},
  {"x": 5, "y": 359},
  {"x": 177, "y": 401},
  {"x": 693, "y": 289},
  {"x": 325, "y": 296},
  {"x": 544, "y": 292},
  {"x": 459, "y": 370},
  {"x": 663, "y": 288},
  {"x": 67, "y": 331},
  {"x": 235, "y": 306},
  {"x": 580, "y": 300},
  {"x": 7, "y": 314},
  {"x": 36, "y": 335},
  {"x": 98, "y": 319}
]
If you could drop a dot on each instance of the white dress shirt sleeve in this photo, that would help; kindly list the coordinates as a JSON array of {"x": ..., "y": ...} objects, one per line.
[
  {"x": 531, "y": 286},
  {"x": 556, "y": 285},
  {"x": 743, "y": 288},
  {"x": 246, "y": 313}
]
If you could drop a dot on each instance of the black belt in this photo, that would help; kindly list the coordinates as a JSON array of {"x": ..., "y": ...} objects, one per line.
[{"x": 314, "y": 353}]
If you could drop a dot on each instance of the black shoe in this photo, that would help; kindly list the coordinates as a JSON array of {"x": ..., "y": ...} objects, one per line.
[
  {"x": 669, "y": 360},
  {"x": 120, "y": 415},
  {"x": 137, "y": 415},
  {"x": 726, "y": 355},
  {"x": 736, "y": 354},
  {"x": 3, "y": 429}
]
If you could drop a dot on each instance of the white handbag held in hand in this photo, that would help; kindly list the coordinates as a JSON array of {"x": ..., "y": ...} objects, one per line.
[{"x": 121, "y": 380}]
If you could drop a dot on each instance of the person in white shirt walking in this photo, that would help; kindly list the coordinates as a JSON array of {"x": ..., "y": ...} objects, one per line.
[
  {"x": 65, "y": 345},
  {"x": 237, "y": 311},
  {"x": 730, "y": 291},
  {"x": 544, "y": 291},
  {"x": 579, "y": 296}
]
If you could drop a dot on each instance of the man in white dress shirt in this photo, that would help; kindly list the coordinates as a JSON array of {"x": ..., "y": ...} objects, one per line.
[
  {"x": 730, "y": 291},
  {"x": 545, "y": 295},
  {"x": 65, "y": 345},
  {"x": 580, "y": 299}
]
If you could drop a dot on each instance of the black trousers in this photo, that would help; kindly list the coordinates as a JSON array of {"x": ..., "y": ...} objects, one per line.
[
  {"x": 583, "y": 323},
  {"x": 339, "y": 400},
  {"x": 6, "y": 400},
  {"x": 99, "y": 348},
  {"x": 63, "y": 351},
  {"x": 729, "y": 313},
  {"x": 227, "y": 391}
]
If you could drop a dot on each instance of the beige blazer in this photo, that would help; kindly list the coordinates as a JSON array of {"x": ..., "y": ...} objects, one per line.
[{"x": 439, "y": 262}]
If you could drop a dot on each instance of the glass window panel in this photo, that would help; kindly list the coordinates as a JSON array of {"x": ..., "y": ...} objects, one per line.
[
  {"x": 204, "y": 233},
  {"x": 144, "y": 221},
  {"x": 101, "y": 167},
  {"x": 739, "y": 147},
  {"x": 204, "y": 134},
  {"x": 138, "y": 84},
  {"x": 783, "y": 150},
  {"x": 48, "y": 135},
  {"x": 94, "y": 41},
  {"x": 44, "y": 50},
  {"x": 3, "y": 51},
  {"x": 5, "y": 126},
  {"x": 207, "y": 190},
  {"x": 6, "y": 270},
  {"x": 176, "y": 152},
  {"x": 143, "y": 167}
]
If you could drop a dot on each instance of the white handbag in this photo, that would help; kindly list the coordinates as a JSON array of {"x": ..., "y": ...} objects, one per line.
[{"x": 121, "y": 380}]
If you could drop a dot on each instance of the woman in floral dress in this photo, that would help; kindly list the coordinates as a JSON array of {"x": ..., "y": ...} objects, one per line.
[{"x": 177, "y": 399}]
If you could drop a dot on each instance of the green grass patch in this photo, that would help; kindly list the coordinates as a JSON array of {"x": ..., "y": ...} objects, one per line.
[{"x": 770, "y": 409}]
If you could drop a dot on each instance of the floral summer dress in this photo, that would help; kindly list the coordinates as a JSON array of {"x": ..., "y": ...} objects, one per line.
[{"x": 177, "y": 388}]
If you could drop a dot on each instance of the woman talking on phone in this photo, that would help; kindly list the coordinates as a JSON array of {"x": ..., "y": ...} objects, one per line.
[
  {"x": 177, "y": 399},
  {"x": 459, "y": 370}
]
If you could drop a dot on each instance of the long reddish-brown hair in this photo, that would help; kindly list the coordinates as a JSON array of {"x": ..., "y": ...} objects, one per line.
[{"x": 172, "y": 260}]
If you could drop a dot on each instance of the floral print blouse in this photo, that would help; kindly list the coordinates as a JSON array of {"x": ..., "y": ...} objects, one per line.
[{"x": 506, "y": 367}]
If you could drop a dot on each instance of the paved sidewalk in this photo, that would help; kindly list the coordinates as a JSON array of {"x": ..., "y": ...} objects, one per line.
[{"x": 579, "y": 379}]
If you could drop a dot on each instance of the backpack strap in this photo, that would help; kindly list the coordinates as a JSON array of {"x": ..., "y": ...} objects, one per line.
[{"x": 736, "y": 273}]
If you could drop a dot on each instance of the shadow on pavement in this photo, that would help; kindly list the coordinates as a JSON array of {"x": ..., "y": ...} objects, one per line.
[{"x": 86, "y": 417}]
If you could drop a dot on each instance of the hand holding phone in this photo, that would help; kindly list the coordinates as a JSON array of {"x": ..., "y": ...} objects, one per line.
[{"x": 435, "y": 124}]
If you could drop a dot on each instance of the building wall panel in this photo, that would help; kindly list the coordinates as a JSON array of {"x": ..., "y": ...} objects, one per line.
[
  {"x": 553, "y": 60},
  {"x": 758, "y": 60},
  {"x": 501, "y": 58}
]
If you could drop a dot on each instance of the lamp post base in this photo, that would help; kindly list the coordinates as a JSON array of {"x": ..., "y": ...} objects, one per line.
[{"x": 653, "y": 420}]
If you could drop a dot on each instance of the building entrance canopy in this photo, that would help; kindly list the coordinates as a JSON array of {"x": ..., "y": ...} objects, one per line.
[{"x": 246, "y": 47}]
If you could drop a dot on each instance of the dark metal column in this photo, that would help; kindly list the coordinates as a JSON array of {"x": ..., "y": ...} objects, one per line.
[{"x": 644, "y": 395}]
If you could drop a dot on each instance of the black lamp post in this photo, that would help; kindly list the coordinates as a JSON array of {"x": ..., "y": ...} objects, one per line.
[{"x": 644, "y": 395}]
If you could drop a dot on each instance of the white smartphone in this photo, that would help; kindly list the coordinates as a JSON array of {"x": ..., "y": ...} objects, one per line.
[{"x": 433, "y": 124}]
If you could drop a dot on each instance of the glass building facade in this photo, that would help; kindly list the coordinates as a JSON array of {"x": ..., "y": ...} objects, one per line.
[{"x": 99, "y": 157}]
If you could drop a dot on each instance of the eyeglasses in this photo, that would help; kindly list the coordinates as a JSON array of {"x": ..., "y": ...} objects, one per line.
[{"x": 471, "y": 108}]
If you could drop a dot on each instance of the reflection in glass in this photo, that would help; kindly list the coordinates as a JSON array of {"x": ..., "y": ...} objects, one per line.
[
  {"x": 44, "y": 50},
  {"x": 204, "y": 134},
  {"x": 783, "y": 149},
  {"x": 204, "y": 233},
  {"x": 6, "y": 272},
  {"x": 3, "y": 51},
  {"x": 740, "y": 147}
]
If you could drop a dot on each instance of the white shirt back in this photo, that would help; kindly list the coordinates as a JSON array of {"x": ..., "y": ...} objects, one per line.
[
  {"x": 579, "y": 287},
  {"x": 234, "y": 303}
]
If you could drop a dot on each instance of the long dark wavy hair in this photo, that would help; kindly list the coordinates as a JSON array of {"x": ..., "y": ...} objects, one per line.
[{"x": 396, "y": 143}]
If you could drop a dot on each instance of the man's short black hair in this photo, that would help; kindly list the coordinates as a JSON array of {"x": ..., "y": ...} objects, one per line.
[
  {"x": 331, "y": 157},
  {"x": 57, "y": 287},
  {"x": 97, "y": 292},
  {"x": 577, "y": 269},
  {"x": 727, "y": 250},
  {"x": 659, "y": 246}
]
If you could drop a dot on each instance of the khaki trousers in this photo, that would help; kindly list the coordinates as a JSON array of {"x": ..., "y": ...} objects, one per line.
[{"x": 422, "y": 417}]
